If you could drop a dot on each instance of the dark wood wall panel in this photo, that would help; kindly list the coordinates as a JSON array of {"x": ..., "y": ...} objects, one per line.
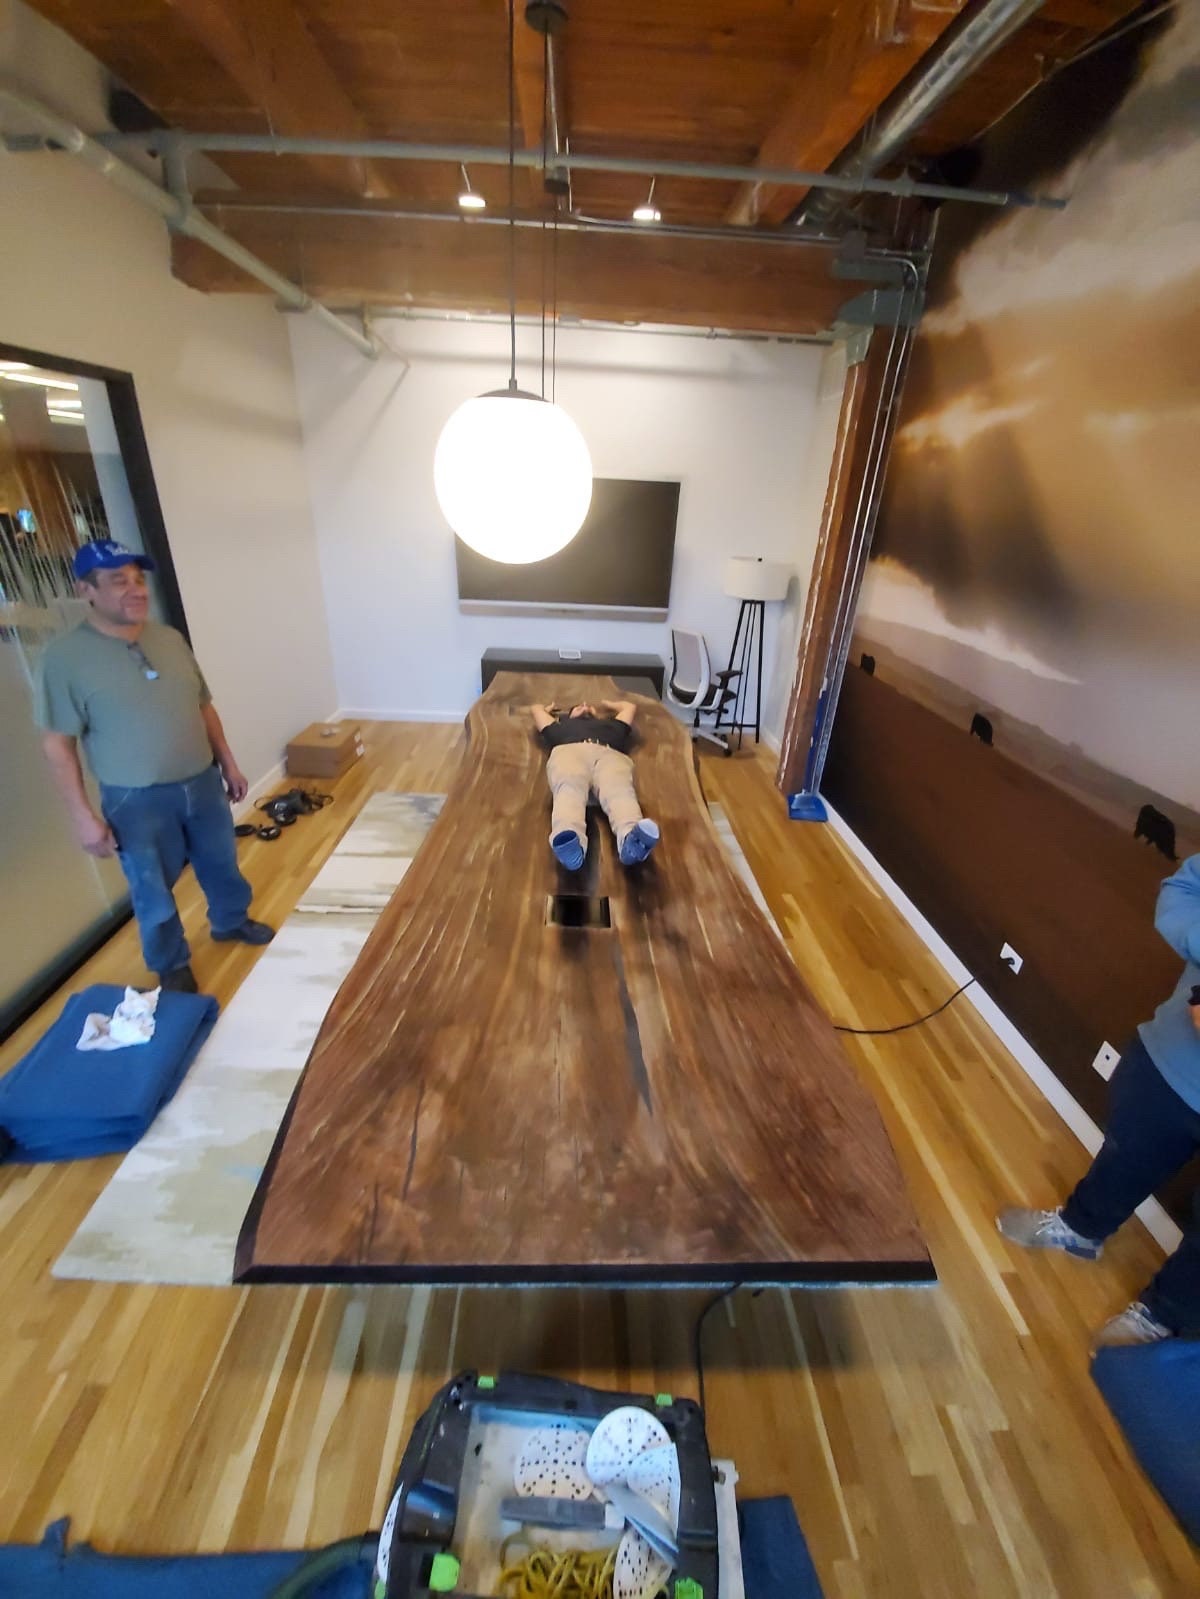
[{"x": 991, "y": 852}]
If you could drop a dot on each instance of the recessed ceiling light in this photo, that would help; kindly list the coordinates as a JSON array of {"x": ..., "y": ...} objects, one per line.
[
  {"x": 468, "y": 200},
  {"x": 648, "y": 211}
]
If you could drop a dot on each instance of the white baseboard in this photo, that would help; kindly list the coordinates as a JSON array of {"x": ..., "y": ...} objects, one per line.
[
  {"x": 1155, "y": 1219},
  {"x": 385, "y": 714}
]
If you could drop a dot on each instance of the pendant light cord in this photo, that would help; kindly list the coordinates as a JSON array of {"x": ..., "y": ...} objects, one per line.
[
  {"x": 554, "y": 309},
  {"x": 545, "y": 148},
  {"x": 512, "y": 196}
]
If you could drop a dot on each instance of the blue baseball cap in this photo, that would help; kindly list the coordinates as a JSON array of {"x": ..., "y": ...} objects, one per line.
[{"x": 105, "y": 555}]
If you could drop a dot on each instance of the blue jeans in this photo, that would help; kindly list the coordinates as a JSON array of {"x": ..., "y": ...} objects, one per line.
[
  {"x": 1151, "y": 1134},
  {"x": 159, "y": 829}
]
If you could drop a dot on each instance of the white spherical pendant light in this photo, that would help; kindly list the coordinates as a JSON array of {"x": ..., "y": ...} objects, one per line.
[
  {"x": 512, "y": 473},
  {"x": 513, "y": 476}
]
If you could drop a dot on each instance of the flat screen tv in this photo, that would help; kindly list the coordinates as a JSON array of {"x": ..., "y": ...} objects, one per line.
[{"x": 618, "y": 564}]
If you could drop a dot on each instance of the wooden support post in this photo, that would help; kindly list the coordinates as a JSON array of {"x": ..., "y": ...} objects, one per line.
[{"x": 854, "y": 454}]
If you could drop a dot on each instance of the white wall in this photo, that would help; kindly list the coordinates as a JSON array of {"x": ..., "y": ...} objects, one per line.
[
  {"x": 730, "y": 419},
  {"x": 85, "y": 273}
]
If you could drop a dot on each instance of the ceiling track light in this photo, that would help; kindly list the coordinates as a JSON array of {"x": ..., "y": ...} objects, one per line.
[
  {"x": 648, "y": 211},
  {"x": 468, "y": 199}
]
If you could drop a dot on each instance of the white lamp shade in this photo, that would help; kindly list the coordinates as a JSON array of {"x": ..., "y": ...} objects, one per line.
[
  {"x": 513, "y": 476},
  {"x": 749, "y": 579}
]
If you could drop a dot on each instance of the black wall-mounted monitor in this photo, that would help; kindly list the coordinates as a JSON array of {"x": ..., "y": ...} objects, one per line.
[{"x": 618, "y": 565}]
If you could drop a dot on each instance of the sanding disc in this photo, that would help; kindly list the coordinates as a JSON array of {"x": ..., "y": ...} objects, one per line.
[
  {"x": 551, "y": 1464},
  {"x": 639, "y": 1572},
  {"x": 655, "y": 1475},
  {"x": 619, "y": 1438},
  {"x": 383, "y": 1557}
]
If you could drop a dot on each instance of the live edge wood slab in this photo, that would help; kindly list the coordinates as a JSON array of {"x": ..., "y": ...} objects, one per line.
[{"x": 496, "y": 1098}]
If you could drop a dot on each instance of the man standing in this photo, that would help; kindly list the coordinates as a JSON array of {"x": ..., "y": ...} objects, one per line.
[
  {"x": 131, "y": 690},
  {"x": 1153, "y": 1131},
  {"x": 589, "y": 754}
]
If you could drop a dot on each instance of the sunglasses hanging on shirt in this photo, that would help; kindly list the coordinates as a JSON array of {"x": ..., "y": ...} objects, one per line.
[{"x": 139, "y": 655}]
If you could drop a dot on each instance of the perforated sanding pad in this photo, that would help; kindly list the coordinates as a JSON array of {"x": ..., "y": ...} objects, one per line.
[{"x": 551, "y": 1464}]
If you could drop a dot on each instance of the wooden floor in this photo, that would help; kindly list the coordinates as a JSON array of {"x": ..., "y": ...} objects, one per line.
[
  {"x": 937, "y": 1442},
  {"x": 493, "y": 1098}
]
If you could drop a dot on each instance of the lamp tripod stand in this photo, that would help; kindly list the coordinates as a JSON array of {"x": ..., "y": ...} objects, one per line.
[{"x": 753, "y": 581}]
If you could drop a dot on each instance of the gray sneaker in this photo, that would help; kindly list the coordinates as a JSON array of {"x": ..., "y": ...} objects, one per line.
[
  {"x": 1135, "y": 1325},
  {"x": 1045, "y": 1229}
]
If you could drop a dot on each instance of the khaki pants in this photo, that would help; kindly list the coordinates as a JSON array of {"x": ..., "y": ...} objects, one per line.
[{"x": 574, "y": 772}]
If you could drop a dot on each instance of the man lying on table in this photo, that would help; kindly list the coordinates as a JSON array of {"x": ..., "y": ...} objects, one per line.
[{"x": 589, "y": 754}]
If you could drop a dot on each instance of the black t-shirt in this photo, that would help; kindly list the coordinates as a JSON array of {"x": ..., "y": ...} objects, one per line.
[{"x": 588, "y": 729}]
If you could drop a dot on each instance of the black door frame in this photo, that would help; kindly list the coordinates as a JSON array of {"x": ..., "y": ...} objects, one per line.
[{"x": 135, "y": 454}]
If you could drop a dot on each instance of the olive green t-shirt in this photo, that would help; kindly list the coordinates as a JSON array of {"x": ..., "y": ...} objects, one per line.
[{"x": 135, "y": 730}]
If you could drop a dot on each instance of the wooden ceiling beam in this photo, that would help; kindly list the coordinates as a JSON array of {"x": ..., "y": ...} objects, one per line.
[
  {"x": 266, "y": 48},
  {"x": 868, "y": 47},
  {"x": 657, "y": 278}
]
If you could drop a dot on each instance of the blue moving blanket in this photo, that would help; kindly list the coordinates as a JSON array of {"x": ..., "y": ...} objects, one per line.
[
  {"x": 63, "y": 1103},
  {"x": 50, "y": 1570},
  {"x": 1154, "y": 1392},
  {"x": 776, "y": 1563}
]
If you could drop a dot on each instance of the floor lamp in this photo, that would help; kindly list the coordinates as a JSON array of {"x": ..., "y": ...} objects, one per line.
[{"x": 756, "y": 583}]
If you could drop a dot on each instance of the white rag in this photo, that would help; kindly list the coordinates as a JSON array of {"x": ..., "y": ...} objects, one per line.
[{"x": 131, "y": 1023}]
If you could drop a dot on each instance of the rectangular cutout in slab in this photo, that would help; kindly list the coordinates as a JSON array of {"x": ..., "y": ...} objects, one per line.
[{"x": 578, "y": 910}]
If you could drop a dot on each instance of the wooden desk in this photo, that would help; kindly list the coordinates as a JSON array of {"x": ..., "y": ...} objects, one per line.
[{"x": 494, "y": 1098}]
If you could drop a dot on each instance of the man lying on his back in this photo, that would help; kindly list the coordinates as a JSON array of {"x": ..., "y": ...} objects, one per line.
[{"x": 589, "y": 754}]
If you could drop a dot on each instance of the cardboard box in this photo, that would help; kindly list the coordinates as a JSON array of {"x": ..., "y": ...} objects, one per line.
[{"x": 324, "y": 749}]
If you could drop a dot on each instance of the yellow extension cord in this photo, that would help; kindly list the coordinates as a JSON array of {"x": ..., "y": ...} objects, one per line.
[{"x": 543, "y": 1574}]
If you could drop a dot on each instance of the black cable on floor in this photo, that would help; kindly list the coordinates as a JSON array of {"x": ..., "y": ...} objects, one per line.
[
  {"x": 698, "y": 1337},
  {"x": 876, "y": 1032}
]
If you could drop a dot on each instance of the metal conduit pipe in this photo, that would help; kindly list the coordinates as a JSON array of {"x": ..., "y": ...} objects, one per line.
[
  {"x": 178, "y": 214},
  {"x": 789, "y": 238},
  {"x": 964, "y": 46},
  {"x": 492, "y": 155}
]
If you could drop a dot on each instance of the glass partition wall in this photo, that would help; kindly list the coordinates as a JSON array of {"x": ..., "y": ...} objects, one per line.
[{"x": 73, "y": 467}]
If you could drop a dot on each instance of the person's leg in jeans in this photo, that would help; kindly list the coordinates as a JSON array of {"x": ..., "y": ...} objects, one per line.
[
  {"x": 1151, "y": 1134},
  {"x": 1173, "y": 1297},
  {"x": 212, "y": 850},
  {"x": 148, "y": 826},
  {"x": 569, "y": 774}
]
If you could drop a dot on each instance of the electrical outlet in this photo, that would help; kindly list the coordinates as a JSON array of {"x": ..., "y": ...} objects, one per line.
[
  {"x": 1106, "y": 1060},
  {"x": 1010, "y": 958}
]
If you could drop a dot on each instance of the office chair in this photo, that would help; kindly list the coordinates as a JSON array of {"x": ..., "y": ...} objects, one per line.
[{"x": 694, "y": 686}]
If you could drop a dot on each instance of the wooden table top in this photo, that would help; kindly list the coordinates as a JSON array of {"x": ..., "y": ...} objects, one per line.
[{"x": 496, "y": 1098}]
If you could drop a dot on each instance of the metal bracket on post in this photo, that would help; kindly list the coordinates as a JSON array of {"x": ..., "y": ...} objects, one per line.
[
  {"x": 857, "y": 341},
  {"x": 896, "y": 302},
  {"x": 175, "y": 171},
  {"x": 881, "y": 308}
]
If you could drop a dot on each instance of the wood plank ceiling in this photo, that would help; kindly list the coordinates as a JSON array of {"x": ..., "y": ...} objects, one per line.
[{"x": 774, "y": 83}]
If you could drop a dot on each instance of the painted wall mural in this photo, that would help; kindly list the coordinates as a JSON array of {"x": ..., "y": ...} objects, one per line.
[{"x": 1037, "y": 563}]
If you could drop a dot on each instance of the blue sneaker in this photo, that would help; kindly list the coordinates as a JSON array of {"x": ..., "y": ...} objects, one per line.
[
  {"x": 638, "y": 842},
  {"x": 568, "y": 850}
]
